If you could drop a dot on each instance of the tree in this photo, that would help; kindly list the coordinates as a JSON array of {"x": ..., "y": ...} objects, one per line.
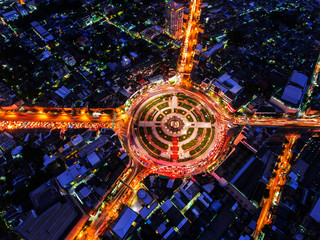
[
  {"x": 33, "y": 155},
  {"x": 266, "y": 193},
  {"x": 235, "y": 36}
]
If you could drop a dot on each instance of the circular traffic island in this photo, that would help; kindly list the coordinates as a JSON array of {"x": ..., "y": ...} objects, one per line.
[{"x": 174, "y": 132}]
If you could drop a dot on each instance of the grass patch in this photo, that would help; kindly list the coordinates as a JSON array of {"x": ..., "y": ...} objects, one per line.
[
  {"x": 147, "y": 146},
  {"x": 159, "y": 118},
  {"x": 190, "y": 144},
  {"x": 185, "y": 105},
  {"x": 149, "y": 106},
  {"x": 204, "y": 145},
  {"x": 149, "y": 130},
  {"x": 200, "y": 132},
  {"x": 186, "y": 136},
  {"x": 192, "y": 102},
  {"x": 209, "y": 118},
  {"x": 183, "y": 112},
  {"x": 163, "y": 135},
  {"x": 166, "y": 112},
  {"x": 189, "y": 118},
  {"x": 198, "y": 117},
  {"x": 163, "y": 105},
  {"x": 160, "y": 144},
  {"x": 151, "y": 116}
]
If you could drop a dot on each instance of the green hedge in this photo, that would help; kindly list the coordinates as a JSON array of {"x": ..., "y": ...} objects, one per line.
[
  {"x": 159, "y": 118},
  {"x": 186, "y": 136},
  {"x": 160, "y": 144},
  {"x": 207, "y": 146},
  {"x": 192, "y": 102},
  {"x": 189, "y": 118},
  {"x": 190, "y": 144},
  {"x": 166, "y": 112},
  {"x": 200, "y": 132},
  {"x": 198, "y": 117},
  {"x": 184, "y": 105},
  {"x": 147, "y": 144},
  {"x": 163, "y": 105},
  {"x": 183, "y": 112},
  {"x": 163, "y": 135},
  {"x": 151, "y": 116},
  {"x": 149, "y": 105},
  {"x": 202, "y": 144},
  {"x": 206, "y": 112},
  {"x": 149, "y": 130}
]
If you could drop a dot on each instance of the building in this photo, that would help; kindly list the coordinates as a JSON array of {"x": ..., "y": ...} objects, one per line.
[
  {"x": 228, "y": 89},
  {"x": 295, "y": 89},
  {"x": 125, "y": 61},
  {"x": 174, "y": 19},
  {"x": 41, "y": 32},
  {"x": 11, "y": 16},
  {"x": 63, "y": 92},
  {"x": 72, "y": 175},
  {"x": 125, "y": 222},
  {"x": 22, "y": 10},
  {"x": 6, "y": 141},
  {"x": 315, "y": 212},
  {"x": 69, "y": 59},
  {"x": 53, "y": 216}
]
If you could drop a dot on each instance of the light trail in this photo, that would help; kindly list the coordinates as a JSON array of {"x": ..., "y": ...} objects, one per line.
[
  {"x": 275, "y": 186},
  {"x": 111, "y": 210},
  {"x": 185, "y": 62},
  {"x": 36, "y": 117}
]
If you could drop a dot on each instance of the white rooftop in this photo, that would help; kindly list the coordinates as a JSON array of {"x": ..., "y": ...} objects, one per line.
[
  {"x": 292, "y": 94},
  {"x": 125, "y": 222},
  {"x": 133, "y": 54},
  {"x": 229, "y": 84},
  {"x": 144, "y": 212},
  {"x": 9, "y": 13},
  {"x": 16, "y": 151}
]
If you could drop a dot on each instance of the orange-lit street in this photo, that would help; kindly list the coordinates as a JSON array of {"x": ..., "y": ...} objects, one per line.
[
  {"x": 275, "y": 185},
  {"x": 124, "y": 118},
  {"x": 110, "y": 211},
  {"x": 185, "y": 62}
]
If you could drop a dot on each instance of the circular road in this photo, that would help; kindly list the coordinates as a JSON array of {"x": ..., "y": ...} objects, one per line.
[{"x": 174, "y": 131}]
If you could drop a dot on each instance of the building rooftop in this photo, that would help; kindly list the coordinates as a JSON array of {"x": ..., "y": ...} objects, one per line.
[
  {"x": 125, "y": 221},
  {"x": 93, "y": 158},
  {"x": 166, "y": 206},
  {"x": 70, "y": 174},
  {"x": 63, "y": 92},
  {"x": 315, "y": 213},
  {"x": 229, "y": 84},
  {"x": 174, "y": 5},
  {"x": 45, "y": 196},
  {"x": 52, "y": 224},
  {"x": 299, "y": 79},
  {"x": 292, "y": 94}
]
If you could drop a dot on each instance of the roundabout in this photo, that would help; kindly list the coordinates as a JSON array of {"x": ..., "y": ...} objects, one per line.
[{"x": 174, "y": 131}]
